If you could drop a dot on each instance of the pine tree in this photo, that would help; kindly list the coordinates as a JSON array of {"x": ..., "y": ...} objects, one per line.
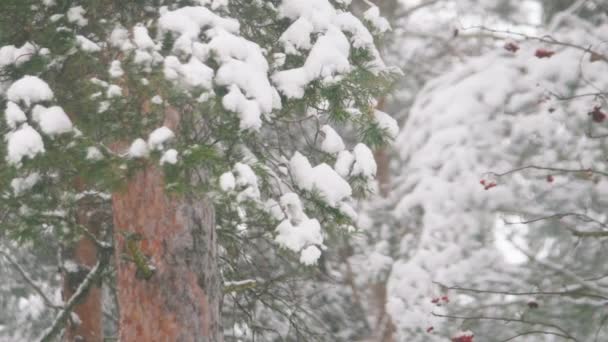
[{"x": 149, "y": 140}]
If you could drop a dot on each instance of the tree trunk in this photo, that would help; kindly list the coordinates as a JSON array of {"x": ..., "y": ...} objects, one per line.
[
  {"x": 384, "y": 325},
  {"x": 89, "y": 326},
  {"x": 181, "y": 300}
]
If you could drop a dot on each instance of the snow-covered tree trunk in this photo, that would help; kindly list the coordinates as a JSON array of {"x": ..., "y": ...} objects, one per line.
[{"x": 181, "y": 300}]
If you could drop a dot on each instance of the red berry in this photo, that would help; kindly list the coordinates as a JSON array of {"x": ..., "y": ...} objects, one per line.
[
  {"x": 429, "y": 329},
  {"x": 597, "y": 115},
  {"x": 550, "y": 179},
  {"x": 445, "y": 299},
  {"x": 511, "y": 47},
  {"x": 544, "y": 53},
  {"x": 463, "y": 337},
  {"x": 435, "y": 300},
  {"x": 489, "y": 186},
  {"x": 482, "y": 182}
]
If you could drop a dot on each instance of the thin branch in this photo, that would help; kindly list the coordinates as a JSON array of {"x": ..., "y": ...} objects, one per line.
[
  {"x": 507, "y": 319},
  {"x": 546, "y": 168},
  {"x": 29, "y": 280},
  {"x": 544, "y": 39},
  {"x": 563, "y": 271},
  {"x": 414, "y": 8},
  {"x": 559, "y": 97},
  {"x": 582, "y": 217},
  {"x": 58, "y": 324},
  {"x": 591, "y": 234},
  {"x": 539, "y": 332},
  {"x": 573, "y": 292},
  {"x": 575, "y": 232}
]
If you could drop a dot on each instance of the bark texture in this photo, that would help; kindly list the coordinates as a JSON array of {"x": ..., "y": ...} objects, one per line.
[
  {"x": 89, "y": 327},
  {"x": 181, "y": 301}
]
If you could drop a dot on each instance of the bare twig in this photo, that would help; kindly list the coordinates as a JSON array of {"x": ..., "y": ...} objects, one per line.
[
  {"x": 571, "y": 293},
  {"x": 537, "y": 332},
  {"x": 507, "y": 319},
  {"x": 544, "y": 39},
  {"x": 29, "y": 280},
  {"x": 575, "y": 232},
  {"x": 57, "y": 325},
  {"x": 548, "y": 168},
  {"x": 560, "y": 269}
]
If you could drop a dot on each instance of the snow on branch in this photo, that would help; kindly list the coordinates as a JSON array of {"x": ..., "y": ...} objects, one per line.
[{"x": 81, "y": 291}]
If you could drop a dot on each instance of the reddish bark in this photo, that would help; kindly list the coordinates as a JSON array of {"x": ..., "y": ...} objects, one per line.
[
  {"x": 89, "y": 327},
  {"x": 181, "y": 301},
  {"x": 89, "y": 311}
]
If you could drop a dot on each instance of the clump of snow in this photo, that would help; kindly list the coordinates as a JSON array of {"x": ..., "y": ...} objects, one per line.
[
  {"x": 192, "y": 74},
  {"x": 52, "y": 121},
  {"x": 332, "y": 143},
  {"x": 328, "y": 57},
  {"x": 297, "y": 37},
  {"x": 310, "y": 255},
  {"x": 159, "y": 137},
  {"x": 103, "y": 106},
  {"x": 320, "y": 13},
  {"x": 24, "y": 142},
  {"x": 21, "y": 185},
  {"x": 292, "y": 207},
  {"x": 29, "y": 89},
  {"x": 248, "y": 110},
  {"x": 138, "y": 149},
  {"x": 322, "y": 178},
  {"x": 365, "y": 164},
  {"x": 274, "y": 209},
  {"x": 190, "y": 20},
  {"x": 349, "y": 211},
  {"x": 114, "y": 91},
  {"x": 119, "y": 38},
  {"x": 246, "y": 179},
  {"x": 13, "y": 115},
  {"x": 86, "y": 44},
  {"x": 243, "y": 67},
  {"x": 142, "y": 38},
  {"x": 227, "y": 181},
  {"x": 169, "y": 157},
  {"x": 297, "y": 232},
  {"x": 157, "y": 100},
  {"x": 76, "y": 16},
  {"x": 380, "y": 24},
  {"x": 344, "y": 163},
  {"x": 387, "y": 123},
  {"x": 115, "y": 69},
  {"x": 93, "y": 153},
  {"x": 10, "y": 54}
]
